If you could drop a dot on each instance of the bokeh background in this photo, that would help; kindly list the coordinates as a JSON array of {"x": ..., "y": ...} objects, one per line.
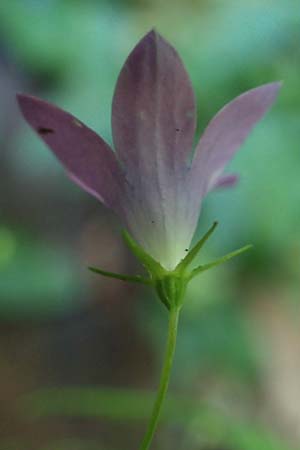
[{"x": 80, "y": 355}]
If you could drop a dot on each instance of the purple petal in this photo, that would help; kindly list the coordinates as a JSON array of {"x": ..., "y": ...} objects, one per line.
[
  {"x": 89, "y": 161},
  {"x": 228, "y": 130},
  {"x": 153, "y": 124},
  {"x": 153, "y": 111},
  {"x": 225, "y": 181}
]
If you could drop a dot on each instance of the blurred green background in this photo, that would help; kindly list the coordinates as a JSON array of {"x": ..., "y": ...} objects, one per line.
[{"x": 80, "y": 355}]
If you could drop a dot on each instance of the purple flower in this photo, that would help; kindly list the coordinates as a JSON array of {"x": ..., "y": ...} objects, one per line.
[{"x": 149, "y": 181}]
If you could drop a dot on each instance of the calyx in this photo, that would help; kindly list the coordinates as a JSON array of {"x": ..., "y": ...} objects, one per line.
[{"x": 170, "y": 285}]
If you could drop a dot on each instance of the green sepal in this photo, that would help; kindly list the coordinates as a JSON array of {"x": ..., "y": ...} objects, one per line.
[
  {"x": 219, "y": 261},
  {"x": 170, "y": 285},
  {"x": 153, "y": 267},
  {"x": 119, "y": 276},
  {"x": 186, "y": 261}
]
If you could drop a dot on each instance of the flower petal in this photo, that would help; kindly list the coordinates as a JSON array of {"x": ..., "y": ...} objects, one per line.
[
  {"x": 228, "y": 130},
  {"x": 225, "y": 181},
  {"x": 153, "y": 111},
  {"x": 89, "y": 161},
  {"x": 153, "y": 124}
]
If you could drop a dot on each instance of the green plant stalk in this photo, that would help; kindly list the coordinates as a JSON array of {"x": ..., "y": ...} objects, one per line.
[
  {"x": 164, "y": 378},
  {"x": 170, "y": 287}
]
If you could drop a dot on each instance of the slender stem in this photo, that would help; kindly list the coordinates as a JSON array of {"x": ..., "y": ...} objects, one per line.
[{"x": 164, "y": 378}]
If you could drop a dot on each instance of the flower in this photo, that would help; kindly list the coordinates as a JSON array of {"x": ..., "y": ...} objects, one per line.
[{"x": 151, "y": 181}]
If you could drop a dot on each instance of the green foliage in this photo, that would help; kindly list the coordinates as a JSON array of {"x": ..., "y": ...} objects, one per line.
[
  {"x": 115, "y": 404},
  {"x": 36, "y": 280}
]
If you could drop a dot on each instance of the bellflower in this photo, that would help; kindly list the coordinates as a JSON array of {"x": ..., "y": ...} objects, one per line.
[
  {"x": 149, "y": 181},
  {"x": 154, "y": 181}
]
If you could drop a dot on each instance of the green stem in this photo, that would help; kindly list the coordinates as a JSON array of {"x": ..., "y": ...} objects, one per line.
[{"x": 164, "y": 379}]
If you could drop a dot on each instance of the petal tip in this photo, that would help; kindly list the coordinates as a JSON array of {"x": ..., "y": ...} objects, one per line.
[
  {"x": 153, "y": 37},
  {"x": 21, "y": 98},
  {"x": 271, "y": 88},
  {"x": 153, "y": 33},
  {"x": 277, "y": 85},
  {"x": 25, "y": 101}
]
